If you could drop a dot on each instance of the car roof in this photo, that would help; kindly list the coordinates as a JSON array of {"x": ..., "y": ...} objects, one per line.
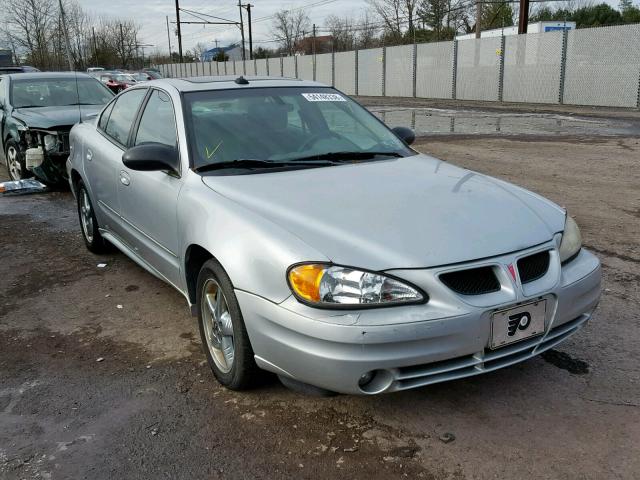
[
  {"x": 47, "y": 75},
  {"x": 226, "y": 82}
]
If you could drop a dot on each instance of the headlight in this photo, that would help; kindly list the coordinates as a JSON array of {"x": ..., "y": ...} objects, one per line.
[
  {"x": 571, "y": 240},
  {"x": 50, "y": 142},
  {"x": 334, "y": 286}
]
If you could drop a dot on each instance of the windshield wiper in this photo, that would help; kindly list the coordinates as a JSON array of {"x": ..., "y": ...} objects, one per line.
[
  {"x": 348, "y": 156},
  {"x": 255, "y": 163}
]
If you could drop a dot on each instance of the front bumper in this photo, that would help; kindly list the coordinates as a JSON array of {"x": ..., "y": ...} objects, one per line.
[{"x": 417, "y": 345}]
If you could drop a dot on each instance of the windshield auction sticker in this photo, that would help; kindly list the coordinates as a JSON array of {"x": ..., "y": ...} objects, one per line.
[{"x": 324, "y": 97}]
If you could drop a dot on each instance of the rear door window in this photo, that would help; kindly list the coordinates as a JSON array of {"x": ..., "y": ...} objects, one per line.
[
  {"x": 104, "y": 118},
  {"x": 123, "y": 115}
]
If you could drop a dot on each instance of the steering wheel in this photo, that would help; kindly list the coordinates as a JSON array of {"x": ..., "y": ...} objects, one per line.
[{"x": 315, "y": 138}]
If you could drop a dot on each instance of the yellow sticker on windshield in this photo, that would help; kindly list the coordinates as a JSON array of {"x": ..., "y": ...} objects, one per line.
[{"x": 210, "y": 154}]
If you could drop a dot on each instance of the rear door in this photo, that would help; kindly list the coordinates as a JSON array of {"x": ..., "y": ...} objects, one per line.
[
  {"x": 103, "y": 156},
  {"x": 148, "y": 200}
]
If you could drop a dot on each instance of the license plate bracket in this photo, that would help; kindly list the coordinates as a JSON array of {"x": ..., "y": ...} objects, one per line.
[{"x": 517, "y": 323}]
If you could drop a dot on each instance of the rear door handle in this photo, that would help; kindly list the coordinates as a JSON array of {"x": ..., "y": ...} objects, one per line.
[{"x": 124, "y": 178}]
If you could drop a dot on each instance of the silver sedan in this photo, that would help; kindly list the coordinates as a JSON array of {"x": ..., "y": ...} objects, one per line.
[{"x": 311, "y": 241}]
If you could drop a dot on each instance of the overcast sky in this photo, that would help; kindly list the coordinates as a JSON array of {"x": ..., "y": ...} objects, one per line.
[{"x": 150, "y": 15}]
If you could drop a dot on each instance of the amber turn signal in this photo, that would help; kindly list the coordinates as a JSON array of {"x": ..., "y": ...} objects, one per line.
[{"x": 305, "y": 281}]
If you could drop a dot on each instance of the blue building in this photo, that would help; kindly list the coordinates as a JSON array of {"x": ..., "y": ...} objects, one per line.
[{"x": 233, "y": 52}]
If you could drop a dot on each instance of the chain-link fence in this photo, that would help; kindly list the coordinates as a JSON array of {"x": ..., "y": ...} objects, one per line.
[{"x": 594, "y": 66}]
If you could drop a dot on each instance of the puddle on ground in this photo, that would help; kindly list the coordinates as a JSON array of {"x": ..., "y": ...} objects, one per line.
[
  {"x": 436, "y": 121},
  {"x": 566, "y": 362}
]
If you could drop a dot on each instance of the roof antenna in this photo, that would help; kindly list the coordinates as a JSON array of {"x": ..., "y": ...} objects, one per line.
[{"x": 241, "y": 80}]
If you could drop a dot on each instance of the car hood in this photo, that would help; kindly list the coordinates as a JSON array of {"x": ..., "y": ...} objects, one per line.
[
  {"x": 413, "y": 212},
  {"x": 50, "y": 117}
]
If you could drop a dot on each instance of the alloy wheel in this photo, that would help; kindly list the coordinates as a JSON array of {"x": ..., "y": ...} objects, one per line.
[
  {"x": 218, "y": 326},
  {"x": 13, "y": 162},
  {"x": 86, "y": 216}
]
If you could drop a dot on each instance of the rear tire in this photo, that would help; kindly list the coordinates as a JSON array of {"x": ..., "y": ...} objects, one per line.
[
  {"x": 224, "y": 337},
  {"x": 88, "y": 222}
]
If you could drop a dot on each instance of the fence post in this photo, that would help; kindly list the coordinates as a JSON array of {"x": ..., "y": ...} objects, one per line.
[
  {"x": 281, "y": 66},
  {"x": 314, "y": 66},
  {"x": 415, "y": 70},
  {"x": 563, "y": 66},
  {"x": 638, "y": 101},
  {"x": 454, "y": 79},
  {"x": 295, "y": 65},
  {"x": 384, "y": 71},
  {"x": 503, "y": 43},
  {"x": 356, "y": 65},
  {"x": 333, "y": 68}
]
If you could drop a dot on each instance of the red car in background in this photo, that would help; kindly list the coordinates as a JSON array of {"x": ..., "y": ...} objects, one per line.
[{"x": 117, "y": 81}]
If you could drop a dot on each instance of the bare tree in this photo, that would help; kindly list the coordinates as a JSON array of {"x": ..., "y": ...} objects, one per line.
[
  {"x": 28, "y": 24},
  {"x": 342, "y": 32},
  {"x": 199, "y": 49},
  {"x": 367, "y": 32},
  {"x": 289, "y": 27},
  {"x": 395, "y": 14}
]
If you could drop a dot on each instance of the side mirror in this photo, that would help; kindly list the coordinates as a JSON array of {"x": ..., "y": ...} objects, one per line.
[
  {"x": 405, "y": 134},
  {"x": 150, "y": 157}
]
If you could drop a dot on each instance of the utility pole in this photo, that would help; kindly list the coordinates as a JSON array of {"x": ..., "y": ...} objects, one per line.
[
  {"x": 95, "y": 46},
  {"x": 122, "y": 45},
  {"x": 523, "y": 18},
  {"x": 169, "y": 38},
  {"x": 248, "y": 7},
  {"x": 67, "y": 45},
  {"x": 478, "y": 17},
  {"x": 313, "y": 50},
  {"x": 241, "y": 27},
  {"x": 313, "y": 43},
  {"x": 179, "y": 33}
]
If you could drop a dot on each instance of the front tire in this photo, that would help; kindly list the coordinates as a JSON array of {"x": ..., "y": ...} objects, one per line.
[
  {"x": 88, "y": 222},
  {"x": 224, "y": 337},
  {"x": 16, "y": 165}
]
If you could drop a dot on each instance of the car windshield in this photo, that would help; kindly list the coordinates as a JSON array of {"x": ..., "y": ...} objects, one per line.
[
  {"x": 284, "y": 124},
  {"x": 58, "y": 92},
  {"x": 124, "y": 78}
]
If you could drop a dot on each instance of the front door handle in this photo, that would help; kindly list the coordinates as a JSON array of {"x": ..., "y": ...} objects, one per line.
[
  {"x": 124, "y": 178},
  {"x": 89, "y": 154}
]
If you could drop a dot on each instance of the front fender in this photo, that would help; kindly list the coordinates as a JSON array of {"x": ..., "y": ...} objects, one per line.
[{"x": 254, "y": 252}]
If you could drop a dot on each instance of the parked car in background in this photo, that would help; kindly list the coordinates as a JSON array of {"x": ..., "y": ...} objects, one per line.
[
  {"x": 37, "y": 110},
  {"x": 141, "y": 76},
  {"x": 95, "y": 69},
  {"x": 153, "y": 73},
  {"x": 313, "y": 242},
  {"x": 16, "y": 69},
  {"x": 117, "y": 82}
]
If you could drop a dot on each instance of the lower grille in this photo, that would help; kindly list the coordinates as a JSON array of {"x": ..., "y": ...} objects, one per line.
[
  {"x": 486, "y": 361},
  {"x": 533, "y": 267},
  {"x": 476, "y": 281}
]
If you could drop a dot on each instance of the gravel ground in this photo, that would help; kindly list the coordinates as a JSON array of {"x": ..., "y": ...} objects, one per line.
[{"x": 102, "y": 375}]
